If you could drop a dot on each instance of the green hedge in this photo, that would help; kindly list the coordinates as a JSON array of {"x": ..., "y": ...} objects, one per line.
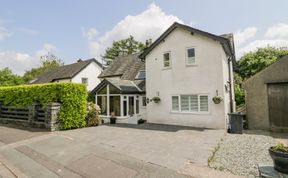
[{"x": 73, "y": 99}]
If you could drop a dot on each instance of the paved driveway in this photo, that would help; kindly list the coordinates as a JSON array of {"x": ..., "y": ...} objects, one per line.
[
  {"x": 147, "y": 150},
  {"x": 168, "y": 146}
]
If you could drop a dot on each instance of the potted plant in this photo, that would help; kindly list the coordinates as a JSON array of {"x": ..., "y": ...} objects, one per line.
[
  {"x": 113, "y": 118},
  {"x": 279, "y": 155},
  {"x": 156, "y": 99},
  {"x": 217, "y": 99}
]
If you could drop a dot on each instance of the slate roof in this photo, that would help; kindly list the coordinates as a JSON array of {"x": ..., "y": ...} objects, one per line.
[
  {"x": 64, "y": 72},
  {"x": 126, "y": 67},
  {"x": 225, "y": 42},
  {"x": 121, "y": 73}
]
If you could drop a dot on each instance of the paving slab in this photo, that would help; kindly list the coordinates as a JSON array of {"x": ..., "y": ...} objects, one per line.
[
  {"x": 92, "y": 166},
  {"x": 13, "y": 133},
  {"x": 27, "y": 165},
  {"x": 5, "y": 172}
]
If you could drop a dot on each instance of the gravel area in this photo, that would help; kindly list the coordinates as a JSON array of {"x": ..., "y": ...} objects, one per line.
[{"x": 241, "y": 154}]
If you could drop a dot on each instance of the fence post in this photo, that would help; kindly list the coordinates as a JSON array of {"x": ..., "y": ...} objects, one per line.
[
  {"x": 32, "y": 114},
  {"x": 51, "y": 116}
]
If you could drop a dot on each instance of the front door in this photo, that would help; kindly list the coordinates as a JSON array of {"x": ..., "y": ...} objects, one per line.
[{"x": 278, "y": 105}]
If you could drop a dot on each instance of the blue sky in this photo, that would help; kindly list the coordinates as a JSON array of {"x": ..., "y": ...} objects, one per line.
[{"x": 83, "y": 29}]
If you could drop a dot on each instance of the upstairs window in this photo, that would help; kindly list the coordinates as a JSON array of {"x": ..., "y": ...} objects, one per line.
[
  {"x": 167, "y": 60},
  {"x": 85, "y": 81},
  {"x": 190, "y": 56}
]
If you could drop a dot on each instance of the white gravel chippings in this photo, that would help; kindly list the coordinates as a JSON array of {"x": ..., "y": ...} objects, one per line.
[{"x": 240, "y": 154}]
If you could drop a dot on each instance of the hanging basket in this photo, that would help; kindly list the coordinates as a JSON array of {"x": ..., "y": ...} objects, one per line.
[
  {"x": 217, "y": 99},
  {"x": 156, "y": 99}
]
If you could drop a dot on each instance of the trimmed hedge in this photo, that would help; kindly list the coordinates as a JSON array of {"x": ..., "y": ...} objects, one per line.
[{"x": 71, "y": 96}]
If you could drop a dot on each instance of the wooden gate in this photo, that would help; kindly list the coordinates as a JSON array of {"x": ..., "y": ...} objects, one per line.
[{"x": 278, "y": 105}]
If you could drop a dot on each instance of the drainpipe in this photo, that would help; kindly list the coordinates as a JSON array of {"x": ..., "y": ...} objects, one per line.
[{"x": 230, "y": 84}]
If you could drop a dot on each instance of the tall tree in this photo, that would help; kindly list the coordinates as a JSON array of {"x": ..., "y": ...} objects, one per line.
[
  {"x": 252, "y": 63},
  {"x": 255, "y": 61},
  {"x": 124, "y": 47},
  {"x": 48, "y": 62},
  {"x": 7, "y": 78}
]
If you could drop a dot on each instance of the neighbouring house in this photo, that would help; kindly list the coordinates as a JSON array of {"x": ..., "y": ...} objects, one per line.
[
  {"x": 266, "y": 95},
  {"x": 83, "y": 71},
  {"x": 185, "y": 68},
  {"x": 121, "y": 92}
]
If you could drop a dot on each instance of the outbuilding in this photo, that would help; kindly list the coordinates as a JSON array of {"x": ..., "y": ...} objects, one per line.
[{"x": 266, "y": 95}]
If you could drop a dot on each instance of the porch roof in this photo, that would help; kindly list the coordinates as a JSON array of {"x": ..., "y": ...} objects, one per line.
[{"x": 124, "y": 86}]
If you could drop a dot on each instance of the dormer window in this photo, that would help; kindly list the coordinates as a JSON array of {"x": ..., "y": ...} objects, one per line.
[
  {"x": 141, "y": 75},
  {"x": 190, "y": 56},
  {"x": 167, "y": 59}
]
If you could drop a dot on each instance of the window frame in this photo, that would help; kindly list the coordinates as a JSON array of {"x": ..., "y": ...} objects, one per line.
[
  {"x": 189, "y": 103},
  {"x": 186, "y": 56},
  {"x": 84, "y": 78},
  {"x": 143, "y": 101},
  {"x": 170, "y": 60}
]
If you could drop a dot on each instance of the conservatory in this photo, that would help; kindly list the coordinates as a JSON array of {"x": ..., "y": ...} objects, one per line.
[{"x": 122, "y": 99}]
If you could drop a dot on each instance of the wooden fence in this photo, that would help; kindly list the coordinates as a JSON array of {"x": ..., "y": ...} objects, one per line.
[{"x": 34, "y": 116}]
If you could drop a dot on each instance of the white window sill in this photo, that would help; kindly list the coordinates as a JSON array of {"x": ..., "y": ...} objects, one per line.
[
  {"x": 191, "y": 113},
  {"x": 191, "y": 65},
  {"x": 166, "y": 68}
]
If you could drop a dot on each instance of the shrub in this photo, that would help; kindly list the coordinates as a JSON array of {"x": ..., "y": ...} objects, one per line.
[
  {"x": 92, "y": 117},
  {"x": 71, "y": 96}
]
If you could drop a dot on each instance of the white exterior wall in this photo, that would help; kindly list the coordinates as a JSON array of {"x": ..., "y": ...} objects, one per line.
[
  {"x": 92, "y": 71},
  {"x": 205, "y": 77}
]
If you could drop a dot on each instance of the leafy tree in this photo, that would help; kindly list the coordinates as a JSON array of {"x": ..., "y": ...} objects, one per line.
[
  {"x": 252, "y": 63},
  {"x": 124, "y": 47},
  {"x": 48, "y": 61},
  {"x": 239, "y": 91},
  {"x": 7, "y": 78}
]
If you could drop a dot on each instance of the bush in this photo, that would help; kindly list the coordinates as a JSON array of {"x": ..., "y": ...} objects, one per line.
[
  {"x": 71, "y": 96},
  {"x": 92, "y": 117}
]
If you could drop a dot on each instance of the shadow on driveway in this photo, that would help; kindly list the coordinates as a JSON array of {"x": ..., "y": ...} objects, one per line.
[
  {"x": 13, "y": 133},
  {"x": 156, "y": 127}
]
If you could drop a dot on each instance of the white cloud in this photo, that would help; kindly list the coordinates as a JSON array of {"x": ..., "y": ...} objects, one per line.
[
  {"x": 241, "y": 37},
  {"x": 47, "y": 48},
  {"x": 90, "y": 33},
  {"x": 275, "y": 36},
  {"x": 148, "y": 24},
  {"x": 261, "y": 44},
  {"x": 278, "y": 31},
  {"x": 19, "y": 62},
  {"x": 29, "y": 31},
  {"x": 4, "y": 33}
]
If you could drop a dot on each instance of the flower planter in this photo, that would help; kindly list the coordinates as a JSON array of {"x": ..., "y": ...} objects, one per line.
[
  {"x": 280, "y": 160},
  {"x": 112, "y": 120}
]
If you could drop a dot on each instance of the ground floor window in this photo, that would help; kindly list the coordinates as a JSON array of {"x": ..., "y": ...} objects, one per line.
[
  {"x": 190, "y": 103},
  {"x": 102, "y": 103},
  {"x": 115, "y": 105}
]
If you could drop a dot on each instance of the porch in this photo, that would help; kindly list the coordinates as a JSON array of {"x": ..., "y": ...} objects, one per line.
[{"x": 121, "y": 99}]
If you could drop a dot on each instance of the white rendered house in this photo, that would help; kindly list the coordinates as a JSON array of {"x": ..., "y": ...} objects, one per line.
[
  {"x": 186, "y": 68},
  {"x": 86, "y": 72}
]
